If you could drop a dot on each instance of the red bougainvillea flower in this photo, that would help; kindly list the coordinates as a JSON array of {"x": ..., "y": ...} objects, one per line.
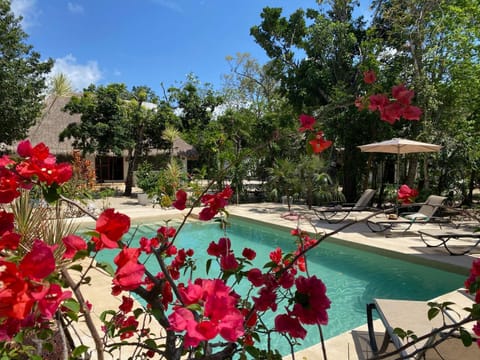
[
  {"x": 73, "y": 243},
  {"x": 290, "y": 325},
  {"x": 6, "y": 222},
  {"x": 166, "y": 232},
  {"x": 406, "y": 195},
  {"x": 49, "y": 301},
  {"x": 306, "y": 122},
  {"x": 181, "y": 201},
  {"x": 369, "y": 77},
  {"x": 129, "y": 274},
  {"x": 214, "y": 203},
  {"x": 311, "y": 301},
  {"x": 15, "y": 301},
  {"x": 110, "y": 226},
  {"x": 41, "y": 165},
  {"x": 9, "y": 183},
  {"x": 392, "y": 110},
  {"x": 319, "y": 144},
  {"x": 39, "y": 262},
  {"x": 127, "y": 304},
  {"x": 249, "y": 253}
]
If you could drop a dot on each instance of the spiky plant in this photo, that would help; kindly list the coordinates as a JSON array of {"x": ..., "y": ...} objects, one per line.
[{"x": 36, "y": 219}]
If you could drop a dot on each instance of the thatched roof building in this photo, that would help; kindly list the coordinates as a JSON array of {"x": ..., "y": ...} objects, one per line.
[{"x": 54, "y": 120}]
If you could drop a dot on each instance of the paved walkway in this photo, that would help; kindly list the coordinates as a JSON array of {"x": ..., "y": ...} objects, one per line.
[{"x": 353, "y": 344}]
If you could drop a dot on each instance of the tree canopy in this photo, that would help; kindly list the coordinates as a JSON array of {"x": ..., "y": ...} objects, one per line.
[{"x": 22, "y": 78}]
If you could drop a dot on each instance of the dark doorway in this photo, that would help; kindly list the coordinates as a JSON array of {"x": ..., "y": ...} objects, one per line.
[{"x": 109, "y": 168}]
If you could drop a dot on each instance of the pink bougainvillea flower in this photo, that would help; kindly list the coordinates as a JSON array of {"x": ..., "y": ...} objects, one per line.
[
  {"x": 290, "y": 325},
  {"x": 220, "y": 314},
  {"x": 306, "y": 122},
  {"x": 377, "y": 102},
  {"x": 412, "y": 113},
  {"x": 360, "y": 103},
  {"x": 181, "y": 200},
  {"x": 319, "y": 143},
  {"x": 369, "y": 77},
  {"x": 402, "y": 94},
  {"x": 110, "y": 226},
  {"x": 311, "y": 301},
  {"x": 73, "y": 243},
  {"x": 391, "y": 112},
  {"x": 406, "y": 195},
  {"x": 222, "y": 247},
  {"x": 39, "y": 262}
]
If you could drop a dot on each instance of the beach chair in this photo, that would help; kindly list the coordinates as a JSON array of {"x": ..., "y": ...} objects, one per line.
[
  {"x": 455, "y": 241},
  {"x": 410, "y": 315},
  {"x": 337, "y": 213},
  {"x": 404, "y": 221}
]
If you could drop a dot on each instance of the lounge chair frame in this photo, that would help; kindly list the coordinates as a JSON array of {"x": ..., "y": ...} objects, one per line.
[
  {"x": 442, "y": 238},
  {"x": 408, "y": 315},
  {"x": 329, "y": 213},
  {"x": 425, "y": 214}
]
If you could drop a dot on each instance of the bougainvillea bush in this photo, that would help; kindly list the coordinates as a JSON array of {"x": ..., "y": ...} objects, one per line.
[{"x": 201, "y": 317}]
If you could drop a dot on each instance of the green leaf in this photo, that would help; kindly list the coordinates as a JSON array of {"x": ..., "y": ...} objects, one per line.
[
  {"x": 466, "y": 337},
  {"x": 76, "y": 267},
  {"x": 72, "y": 304},
  {"x": 79, "y": 350},
  {"x": 106, "y": 267},
  {"x": 432, "y": 312},
  {"x": 208, "y": 265},
  {"x": 104, "y": 314}
]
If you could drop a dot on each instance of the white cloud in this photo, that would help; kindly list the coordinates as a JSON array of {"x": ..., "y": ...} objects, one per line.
[
  {"x": 169, "y": 4},
  {"x": 27, "y": 10},
  {"x": 75, "y": 8},
  {"x": 80, "y": 75}
]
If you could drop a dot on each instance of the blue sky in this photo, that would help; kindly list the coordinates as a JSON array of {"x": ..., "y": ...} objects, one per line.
[{"x": 144, "y": 42}]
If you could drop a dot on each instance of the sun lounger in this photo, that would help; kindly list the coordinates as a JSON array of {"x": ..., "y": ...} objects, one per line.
[
  {"x": 337, "y": 213},
  {"x": 413, "y": 316},
  {"x": 404, "y": 221},
  {"x": 455, "y": 241}
]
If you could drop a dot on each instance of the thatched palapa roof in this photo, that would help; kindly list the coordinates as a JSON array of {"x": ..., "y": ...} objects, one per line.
[{"x": 54, "y": 120}]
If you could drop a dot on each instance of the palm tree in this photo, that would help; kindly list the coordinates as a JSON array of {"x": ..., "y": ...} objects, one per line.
[
  {"x": 60, "y": 85},
  {"x": 170, "y": 134}
]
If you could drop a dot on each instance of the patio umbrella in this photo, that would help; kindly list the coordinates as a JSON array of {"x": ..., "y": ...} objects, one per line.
[{"x": 399, "y": 146}]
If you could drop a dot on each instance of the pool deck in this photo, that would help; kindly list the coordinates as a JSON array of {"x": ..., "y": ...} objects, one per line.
[{"x": 351, "y": 345}]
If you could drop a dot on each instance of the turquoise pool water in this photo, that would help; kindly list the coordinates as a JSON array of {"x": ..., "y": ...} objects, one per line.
[{"x": 353, "y": 277}]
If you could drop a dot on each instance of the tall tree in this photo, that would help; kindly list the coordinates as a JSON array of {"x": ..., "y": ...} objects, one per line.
[
  {"x": 435, "y": 46},
  {"x": 315, "y": 57},
  {"x": 22, "y": 78},
  {"x": 115, "y": 120}
]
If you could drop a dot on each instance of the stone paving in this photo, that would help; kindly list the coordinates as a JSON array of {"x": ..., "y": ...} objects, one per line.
[{"x": 353, "y": 344}]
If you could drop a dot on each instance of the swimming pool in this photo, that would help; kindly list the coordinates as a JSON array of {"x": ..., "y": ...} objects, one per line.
[{"x": 353, "y": 277}]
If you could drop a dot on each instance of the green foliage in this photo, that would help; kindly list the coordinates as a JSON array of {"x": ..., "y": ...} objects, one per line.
[
  {"x": 146, "y": 177},
  {"x": 22, "y": 78}
]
